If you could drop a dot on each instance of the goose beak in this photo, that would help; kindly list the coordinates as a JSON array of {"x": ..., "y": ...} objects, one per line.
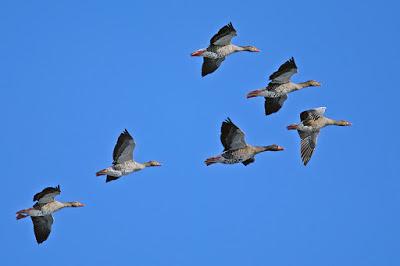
[{"x": 280, "y": 148}]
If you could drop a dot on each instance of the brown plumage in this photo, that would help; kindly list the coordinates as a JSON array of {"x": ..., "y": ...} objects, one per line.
[
  {"x": 280, "y": 86},
  {"x": 236, "y": 150},
  {"x": 123, "y": 162},
  {"x": 41, "y": 212},
  {"x": 311, "y": 122},
  {"x": 220, "y": 47}
]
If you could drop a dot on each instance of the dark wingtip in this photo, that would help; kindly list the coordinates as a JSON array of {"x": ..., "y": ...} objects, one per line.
[
  {"x": 231, "y": 26},
  {"x": 228, "y": 120},
  {"x": 111, "y": 178},
  {"x": 294, "y": 63},
  {"x": 267, "y": 113}
]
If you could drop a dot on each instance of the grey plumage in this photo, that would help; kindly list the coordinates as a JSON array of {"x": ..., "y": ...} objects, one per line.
[
  {"x": 224, "y": 35},
  {"x": 210, "y": 65},
  {"x": 42, "y": 227},
  {"x": 232, "y": 137}
]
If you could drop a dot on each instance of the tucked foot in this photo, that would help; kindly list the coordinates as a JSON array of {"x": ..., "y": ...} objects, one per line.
[
  {"x": 24, "y": 211},
  {"x": 292, "y": 127},
  {"x": 254, "y": 94},
  {"x": 197, "y": 53},
  {"x": 101, "y": 172},
  {"x": 212, "y": 160},
  {"x": 21, "y": 216}
]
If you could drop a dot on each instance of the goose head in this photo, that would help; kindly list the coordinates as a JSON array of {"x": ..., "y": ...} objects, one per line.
[
  {"x": 152, "y": 163},
  {"x": 313, "y": 83},
  {"x": 74, "y": 204},
  {"x": 343, "y": 123}
]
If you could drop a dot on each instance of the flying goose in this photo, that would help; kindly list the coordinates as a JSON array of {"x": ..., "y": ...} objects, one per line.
[
  {"x": 41, "y": 212},
  {"x": 236, "y": 150},
  {"x": 311, "y": 122},
  {"x": 219, "y": 48},
  {"x": 123, "y": 162},
  {"x": 280, "y": 86}
]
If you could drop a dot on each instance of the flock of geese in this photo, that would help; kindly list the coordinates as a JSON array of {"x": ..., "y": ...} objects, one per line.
[{"x": 236, "y": 150}]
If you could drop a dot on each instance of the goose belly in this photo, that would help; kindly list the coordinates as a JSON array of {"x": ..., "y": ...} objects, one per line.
[
  {"x": 215, "y": 52},
  {"x": 127, "y": 168},
  {"x": 231, "y": 157},
  {"x": 115, "y": 172},
  {"x": 211, "y": 55},
  {"x": 273, "y": 94},
  {"x": 278, "y": 90},
  {"x": 50, "y": 207}
]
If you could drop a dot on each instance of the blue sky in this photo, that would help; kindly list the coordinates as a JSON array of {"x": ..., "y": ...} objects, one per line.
[{"x": 75, "y": 74}]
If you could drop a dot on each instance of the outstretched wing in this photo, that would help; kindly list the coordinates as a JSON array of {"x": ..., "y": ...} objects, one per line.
[
  {"x": 312, "y": 114},
  {"x": 111, "y": 178},
  {"x": 123, "y": 150},
  {"x": 42, "y": 227},
  {"x": 232, "y": 137},
  {"x": 47, "y": 195},
  {"x": 273, "y": 105},
  {"x": 224, "y": 35},
  {"x": 308, "y": 144},
  {"x": 284, "y": 73},
  {"x": 210, "y": 65}
]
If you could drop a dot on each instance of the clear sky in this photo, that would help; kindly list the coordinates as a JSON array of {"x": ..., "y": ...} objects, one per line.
[{"x": 74, "y": 74}]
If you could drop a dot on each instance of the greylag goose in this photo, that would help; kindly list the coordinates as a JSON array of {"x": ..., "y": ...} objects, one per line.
[
  {"x": 41, "y": 212},
  {"x": 219, "y": 48},
  {"x": 236, "y": 150},
  {"x": 311, "y": 122},
  {"x": 280, "y": 86},
  {"x": 123, "y": 163}
]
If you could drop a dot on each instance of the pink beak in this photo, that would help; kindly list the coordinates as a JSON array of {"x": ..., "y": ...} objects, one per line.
[
  {"x": 254, "y": 94},
  {"x": 280, "y": 148}
]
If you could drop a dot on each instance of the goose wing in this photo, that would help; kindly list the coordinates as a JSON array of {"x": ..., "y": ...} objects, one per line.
[
  {"x": 123, "y": 150},
  {"x": 308, "y": 144},
  {"x": 312, "y": 114},
  {"x": 224, "y": 35},
  {"x": 42, "y": 227},
  {"x": 285, "y": 72},
  {"x": 47, "y": 195},
  {"x": 210, "y": 65},
  {"x": 232, "y": 137},
  {"x": 273, "y": 105}
]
